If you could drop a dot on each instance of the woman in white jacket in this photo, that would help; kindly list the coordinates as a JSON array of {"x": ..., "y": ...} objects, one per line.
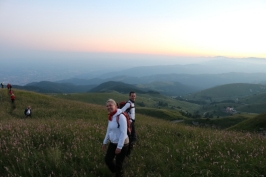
[{"x": 117, "y": 136}]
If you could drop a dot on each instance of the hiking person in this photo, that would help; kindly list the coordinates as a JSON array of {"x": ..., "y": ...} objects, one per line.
[
  {"x": 129, "y": 107},
  {"x": 28, "y": 111},
  {"x": 2, "y": 84},
  {"x": 117, "y": 135},
  {"x": 8, "y": 86},
  {"x": 12, "y": 98}
]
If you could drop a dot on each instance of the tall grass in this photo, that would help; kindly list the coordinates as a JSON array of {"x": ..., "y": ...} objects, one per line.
[{"x": 66, "y": 141}]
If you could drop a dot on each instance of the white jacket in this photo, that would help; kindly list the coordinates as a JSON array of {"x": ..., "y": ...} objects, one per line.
[
  {"x": 131, "y": 112},
  {"x": 115, "y": 134}
]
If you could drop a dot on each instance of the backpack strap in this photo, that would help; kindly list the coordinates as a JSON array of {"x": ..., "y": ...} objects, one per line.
[
  {"x": 117, "y": 120},
  {"x": 127, "y": 120},
  {"x": 128, "y": 109}
]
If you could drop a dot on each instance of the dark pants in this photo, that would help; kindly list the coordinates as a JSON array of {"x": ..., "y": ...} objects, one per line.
[
  {"x": 132, "y": 138},
  {"x": 117, "y": 166}
]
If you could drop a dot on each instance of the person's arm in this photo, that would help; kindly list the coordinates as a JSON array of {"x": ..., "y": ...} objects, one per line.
[
  {"x": 105, "y": 141},
  {"x": 127, "y": 105},
  {"x": 132, "y": 113},
  {"x": 123, "y": 131}
]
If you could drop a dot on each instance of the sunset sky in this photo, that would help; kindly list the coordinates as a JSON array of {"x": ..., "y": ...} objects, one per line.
[{"x": 230, "y": 28}]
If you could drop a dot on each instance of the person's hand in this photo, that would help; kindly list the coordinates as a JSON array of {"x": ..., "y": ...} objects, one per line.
[
  {"x": 104, "y": 147},
  {"x": 117, "y": 151}
]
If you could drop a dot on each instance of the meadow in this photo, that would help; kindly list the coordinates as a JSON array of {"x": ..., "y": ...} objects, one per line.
[
  {"x": 64, "y": 138},
  {"x": 144, "y": 100}
]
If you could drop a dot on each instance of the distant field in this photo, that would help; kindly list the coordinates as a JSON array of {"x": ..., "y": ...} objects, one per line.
[
  {"x": 220, "y": 123},
  {"x": 143, "y": 100},
  {"x": 228, "y": 92},
  {"x": 161, "y": 113},
  {"x": 254, "y": 124}
]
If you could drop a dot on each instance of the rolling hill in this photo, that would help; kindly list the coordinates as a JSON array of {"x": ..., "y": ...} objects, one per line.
[
  {"x": 228, "y": 92},
  {"x": 52, "y": 87},
  {"x": 143, "y": 100},
  {"x": 117, "y": 86},
  {"x": 169, "y": 88},
  {"x": 220, "y": 123},
  {"x": 64, "y": 138},
  {"x": 218, "y": 66},
  {"x": 253, "y": 124},
  {"x": 198, "y": 81}
]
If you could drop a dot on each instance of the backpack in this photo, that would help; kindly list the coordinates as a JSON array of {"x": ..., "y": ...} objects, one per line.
[
  {"x": 123, "y": 103},
  {"x": 128, "y": 122}
]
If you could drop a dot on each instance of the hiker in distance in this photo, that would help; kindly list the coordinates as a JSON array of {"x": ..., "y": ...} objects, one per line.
[
  {"x": 12, "y": 98},
  {"x": 130, "y": 109},
  {"x": 117, "y": 135},
  {"x": 8, "y": 86},
  {"x": 28, "y": 112},
  {"x": 2, "y": 84}
]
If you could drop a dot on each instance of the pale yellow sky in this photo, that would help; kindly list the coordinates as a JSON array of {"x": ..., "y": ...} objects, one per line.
[{"x": 230, "y": 28}]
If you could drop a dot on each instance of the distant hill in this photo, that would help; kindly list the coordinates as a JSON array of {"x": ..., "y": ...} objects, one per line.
[
  {"x": 204, "y": 81},
  {"x": 254, "y": 98},
  {"x": 252, "y": 124},
  {"x": 218, "y": 66},
  {"x": 253, "y": 108},
  {"x": 117, "y": 86},
  {"x": 221, "y": 123},
  {"x": 198, "y": 81},
  {"x": 262, "y": 82},
  {"x": 169, "y": 88},
  {"x": 78, "y": 81},
  {"x": 52, "y": 87},
  {"x": 228, "y": 92},
  {"x": 145, "y": 100}
]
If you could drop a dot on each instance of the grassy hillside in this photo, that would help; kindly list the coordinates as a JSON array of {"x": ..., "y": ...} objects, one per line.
[
  {"x": 143, "y": 100},
  {"x": 255, "y": 98},
  {"x": 52, "y": 87},
  {"x": 116, "y": 86},
  {"x": 169, "y": 88},
  {"x": 253, "y": 108},
  {"x": 161, "y": 113},
  {"x": 220, "y": 123},
  {"x": 253, "y": 124},
  {"x": 228, "y": 92},
  {"x": 64, "y": 137}
]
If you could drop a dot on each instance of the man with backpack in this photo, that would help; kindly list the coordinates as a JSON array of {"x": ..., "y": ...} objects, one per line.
[{"x": 129, "y": 108}]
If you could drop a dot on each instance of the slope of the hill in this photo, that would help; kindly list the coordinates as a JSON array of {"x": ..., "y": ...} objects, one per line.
[
  {"x": 164, "y": 114},
  {"x": 220, "y": 123},
  {"x": 52, "y": 87},
  {"x": 228, "y": 92},
  {"x": 200, "y": 81},
  {"x": 169, "y": 88},
  {"x": 143, "y": 100},
  {"x": 252, "y": 124},
  {"x": 43, "y": 106},
  {"x": 64, "y": 138},
  {"x": 116, "y": 86},
  {"x": 253, "y": 99}
]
